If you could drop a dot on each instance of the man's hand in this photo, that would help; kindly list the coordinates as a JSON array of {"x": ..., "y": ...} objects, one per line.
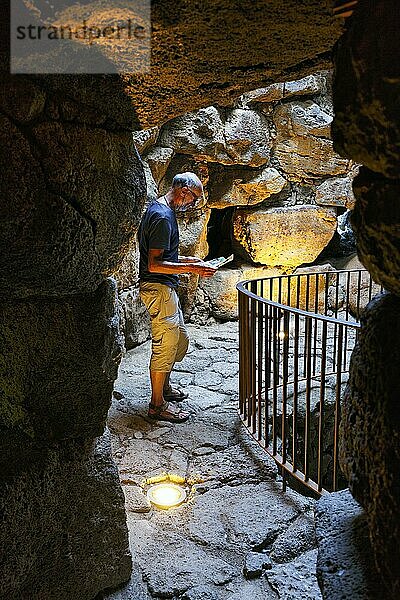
[{"x": 202, "y": 269}]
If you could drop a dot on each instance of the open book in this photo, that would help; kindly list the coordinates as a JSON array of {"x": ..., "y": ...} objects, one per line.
[{"x": 216, "y": 263}]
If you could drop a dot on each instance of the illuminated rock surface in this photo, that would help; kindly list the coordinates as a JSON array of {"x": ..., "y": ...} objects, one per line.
[{"x": 283, "y": 237}]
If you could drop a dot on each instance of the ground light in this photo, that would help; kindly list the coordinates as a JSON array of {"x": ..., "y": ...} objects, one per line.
[
  {"x": 169, "y": 490},
  {"x": 166, "y": 495}
]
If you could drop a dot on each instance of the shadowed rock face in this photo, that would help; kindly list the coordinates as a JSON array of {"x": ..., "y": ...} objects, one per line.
[
  {"x": 375, "y": 222},
  {"x": 367, "y": 86},
  {"x": 370, "y": 456},
  {"x": 72, "y": 187},
  {"x": 366, "y": 128}
]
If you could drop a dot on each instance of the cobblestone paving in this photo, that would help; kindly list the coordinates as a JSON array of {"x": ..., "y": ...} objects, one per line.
[{"x": 239, "y": 537}]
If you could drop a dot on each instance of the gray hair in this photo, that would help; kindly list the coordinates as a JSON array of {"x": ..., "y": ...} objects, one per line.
[{"x": 187, "y": 179}]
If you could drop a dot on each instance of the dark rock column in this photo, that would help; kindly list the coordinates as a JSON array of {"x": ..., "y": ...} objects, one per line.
[
  {"x": 72, "y": 188},
  {"x": 367, "y": 129}
]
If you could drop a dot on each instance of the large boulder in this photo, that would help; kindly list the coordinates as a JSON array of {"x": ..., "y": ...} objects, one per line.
[
  {"x": 303, "y": 147},
  {"x": 285, "y": 237},
  {"x": 198, "y": 134},
  {"x": 100, "y": 175},
  {"x": 63, "y": 527},
  {"x": 64, "y": 259},
  {"x": 59, "y": 362},
  {"x": 240, "y": 187},
  {"x": 247, "y": 136},
  {"x": 243, "y": 138},
  {"x": 370, "y": 432}
]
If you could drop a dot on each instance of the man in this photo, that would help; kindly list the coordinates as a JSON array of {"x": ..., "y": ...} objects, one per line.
[{"x": 159, "y": 268}]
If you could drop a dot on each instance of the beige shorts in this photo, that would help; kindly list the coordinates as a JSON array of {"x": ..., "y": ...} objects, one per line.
[{"x": 170, "y": 340}]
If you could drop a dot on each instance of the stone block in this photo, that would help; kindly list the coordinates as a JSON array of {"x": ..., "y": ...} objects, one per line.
[
  {"x": 241, "y": 138},
  {"x": 284, "y": 237},
  {"x": 145, "y": 139},
  {"x": 237, "y": 187},
  {"x": 199, "y": 134},
  {"x": 302, "y": 146},
  {"x": 100, "y": 175},
  {"x": 64, "y": 260},
  {"x": 309, "y": 85},
  {"x": 63, "y": 529},
  {"x": 58, "y": 364},
  {"x": 247, "y": 137},
  {"x": 135, "y": 320},
  {"x": 295, "y": 119},
  {"x": 336, "y": 191},
  {"x": 158, "y": 160}
]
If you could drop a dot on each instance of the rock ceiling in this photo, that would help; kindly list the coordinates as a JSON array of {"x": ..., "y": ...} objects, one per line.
[{"x": 209, "y": 51}]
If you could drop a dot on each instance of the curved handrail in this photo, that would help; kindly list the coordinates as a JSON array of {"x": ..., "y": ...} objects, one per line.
[
  {"x": 240, "y": 287},
  {"x": 287, "y": 354}
]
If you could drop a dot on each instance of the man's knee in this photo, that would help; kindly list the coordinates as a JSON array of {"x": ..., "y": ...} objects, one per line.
[{"x": 164, "y": 350}]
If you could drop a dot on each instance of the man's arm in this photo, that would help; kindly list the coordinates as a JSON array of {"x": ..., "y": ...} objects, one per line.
[{"x": 156, "y": 264}]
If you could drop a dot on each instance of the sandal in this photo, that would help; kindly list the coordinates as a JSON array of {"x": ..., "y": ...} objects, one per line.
[
  {"x": 164, "y": 413},
  {"x": 175, "y": 395}
]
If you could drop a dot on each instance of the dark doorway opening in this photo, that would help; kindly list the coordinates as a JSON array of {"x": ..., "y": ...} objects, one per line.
[{"x": 219, "y": 235}]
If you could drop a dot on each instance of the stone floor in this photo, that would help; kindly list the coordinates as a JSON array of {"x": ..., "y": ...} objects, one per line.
[{"x": 239, "y": 537}]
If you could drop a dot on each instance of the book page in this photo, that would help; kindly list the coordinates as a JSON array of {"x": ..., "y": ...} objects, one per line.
[{"x": 216, "y": 263}]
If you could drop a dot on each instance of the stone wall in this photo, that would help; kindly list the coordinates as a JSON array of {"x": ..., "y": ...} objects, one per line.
[
  {"x": 63, "y": 531},
  {"x": 367, "y": 129},
  {"x": 273, "y": 182}
]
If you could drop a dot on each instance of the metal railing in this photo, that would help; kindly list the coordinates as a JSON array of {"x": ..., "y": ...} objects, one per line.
[{"x": 296, "y": 335}]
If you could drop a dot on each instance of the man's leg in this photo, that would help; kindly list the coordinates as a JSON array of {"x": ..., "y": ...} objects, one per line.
[
  {"x": 157, "y": 379},
  {"x": 182, "y": 347},
  {"x": 165, "y": 341}
]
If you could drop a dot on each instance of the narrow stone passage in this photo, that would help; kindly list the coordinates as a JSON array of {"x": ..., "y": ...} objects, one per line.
[{"x": 239, "y": 536}]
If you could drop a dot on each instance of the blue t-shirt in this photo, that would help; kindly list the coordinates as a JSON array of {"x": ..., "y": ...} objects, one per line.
[{"x": 159, "y": 230}]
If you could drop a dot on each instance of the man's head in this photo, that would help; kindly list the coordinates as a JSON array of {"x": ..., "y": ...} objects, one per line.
[{"x": 186, "y": 192}]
